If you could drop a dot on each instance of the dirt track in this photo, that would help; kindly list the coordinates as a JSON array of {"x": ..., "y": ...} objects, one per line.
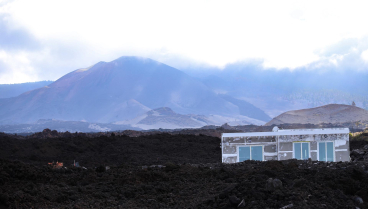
[{"x": 190, "y": 176}]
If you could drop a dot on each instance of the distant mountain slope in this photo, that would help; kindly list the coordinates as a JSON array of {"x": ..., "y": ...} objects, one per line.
[
  {"x": 332, "y": 113},
  {"x": 276, "y": 91},
  {"x": 13, "y": 90},
  {"x": 247, "y": 109},
  {"x": 63, "y": 126},
  {"x": 114, "y": 91},
  {"x": 166, "y": 118}
]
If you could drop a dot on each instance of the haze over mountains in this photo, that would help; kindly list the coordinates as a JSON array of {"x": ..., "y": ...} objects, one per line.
[
  {"x": 141, "y": 93},
  {"x": 272, "y": 91},
  {"x": 13, "y": 90},
  {"x": 121, "y": 90},
  {"x": 277, "y": 91}
]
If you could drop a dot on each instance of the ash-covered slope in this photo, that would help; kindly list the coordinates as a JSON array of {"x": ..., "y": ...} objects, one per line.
[
  {"x": 166, "y": 118},
  {"x": 63, "y": 126},
  {"x": 114, "y": 91},
  {"x": 332, "y": 113},
  {"x": 247, "y": 109}
]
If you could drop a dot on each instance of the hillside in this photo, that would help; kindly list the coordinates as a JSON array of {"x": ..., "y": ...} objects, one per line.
[
  {"x": 166, "y": 118},
  {"x": 277, "y": 91},
  {"x": 332, "y": 113},
  {"x": 63, "y": 126},
  {"x": 115, "y": 91},
  {"x": 13, "y": 90}
]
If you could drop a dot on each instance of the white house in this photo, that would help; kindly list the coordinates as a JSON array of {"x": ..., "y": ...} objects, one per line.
[{"x": 328, "y": 144}]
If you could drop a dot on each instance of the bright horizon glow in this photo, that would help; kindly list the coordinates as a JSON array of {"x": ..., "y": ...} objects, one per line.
[{"x": 77, "y": 34}]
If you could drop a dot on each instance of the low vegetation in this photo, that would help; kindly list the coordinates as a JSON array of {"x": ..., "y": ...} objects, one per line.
[{"x": 359, "y": 136}]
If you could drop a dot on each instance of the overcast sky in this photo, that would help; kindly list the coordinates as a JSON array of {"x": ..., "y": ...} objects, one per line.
[{"x": 45, "y": 39}]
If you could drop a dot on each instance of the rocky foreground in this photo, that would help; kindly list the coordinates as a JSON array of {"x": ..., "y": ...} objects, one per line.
[{"x": 168, "y": 171}]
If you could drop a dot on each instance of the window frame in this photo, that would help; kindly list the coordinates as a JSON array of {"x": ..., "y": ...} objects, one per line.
[
  {"x": 309, "y": 153},
  {"x": 250, "y": 151},
  {"x": 333, "y": 151}
]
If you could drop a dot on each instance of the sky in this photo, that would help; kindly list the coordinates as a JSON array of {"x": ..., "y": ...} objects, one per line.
[{"x": 44, "y": 40}]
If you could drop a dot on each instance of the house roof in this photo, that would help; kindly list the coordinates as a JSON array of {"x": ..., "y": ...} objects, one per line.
[{"x": 288, "y": 132}]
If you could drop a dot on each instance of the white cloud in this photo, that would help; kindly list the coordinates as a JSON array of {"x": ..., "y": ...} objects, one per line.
[
  {"x": 364, "y": 55},
  {"x": 16, "y": 68},
  {"x": 285, "y": 34},
  {"x": 335, "y": 59}
]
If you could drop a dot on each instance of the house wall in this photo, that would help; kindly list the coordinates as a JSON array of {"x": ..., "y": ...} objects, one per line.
[
  {"x": 230, "y": 147},
  {"x": 342, "y": 149},
  {"x": 285, "y": 143},
  {"x": 341, "y": 145}
]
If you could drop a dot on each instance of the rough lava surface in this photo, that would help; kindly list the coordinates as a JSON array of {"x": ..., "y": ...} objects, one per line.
[{"x": 135, "y": 169}]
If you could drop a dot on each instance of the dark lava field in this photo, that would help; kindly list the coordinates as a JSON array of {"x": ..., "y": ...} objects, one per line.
[{"x": 163, "y": 170}]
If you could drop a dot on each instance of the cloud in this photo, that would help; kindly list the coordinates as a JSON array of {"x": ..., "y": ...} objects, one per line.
[
  {"x": 13, "y": 38},
  {"x": 17, "y": 45},
  {"x": 16, "y": 60},
  {"x": 347, "y": 54},
  {"x": 25, "y": 57},
  {"x": 5, "y": 2},
  {"x": 57, "y": 37},
  {"x": 212, "y": 32},
  {"x": 364, "y": 55}
]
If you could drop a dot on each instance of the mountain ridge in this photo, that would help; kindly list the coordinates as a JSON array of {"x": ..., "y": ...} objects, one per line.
[
  {"x": 166, "y": 118},
  {"x": 13, "y": 90},
  {"x": 332, "y": 113},
  {"x": 114, "y": 91}
]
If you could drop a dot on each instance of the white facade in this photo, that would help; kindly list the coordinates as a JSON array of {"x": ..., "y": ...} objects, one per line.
[{"x": 328, "y": 144}]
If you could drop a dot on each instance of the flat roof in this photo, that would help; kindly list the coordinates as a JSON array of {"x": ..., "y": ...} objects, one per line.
[{"x": 289, "y": 132}]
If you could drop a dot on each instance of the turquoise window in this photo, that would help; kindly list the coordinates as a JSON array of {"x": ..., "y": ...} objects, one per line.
[
  {"x": 326, "y": 151},
  {"x": 301, "y": 150},
  {"x": 322, "y": 151},
  {"x": 257, "y": 153},
  {"x": 244, "y": 153},
  {"x": 305, "y": 151},
  {"x": 250, "y": 153}
]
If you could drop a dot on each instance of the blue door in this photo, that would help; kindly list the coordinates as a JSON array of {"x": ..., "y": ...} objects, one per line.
[
  {"x": 301, "y": 150},
  {"x": 256, "y": 153},
  {"x": 250, "y": 153},
  {"x": 326, "y": 151},
  {"x": 244, "y": 153}
]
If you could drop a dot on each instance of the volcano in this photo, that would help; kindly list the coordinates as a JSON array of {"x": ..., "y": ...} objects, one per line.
[{"x": 114, "y": 91}]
